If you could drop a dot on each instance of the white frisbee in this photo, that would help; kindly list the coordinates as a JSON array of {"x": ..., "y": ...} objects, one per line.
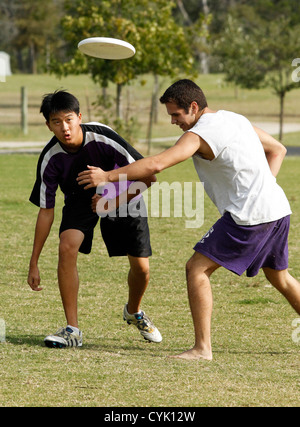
[{"x": 106, "y": 48}]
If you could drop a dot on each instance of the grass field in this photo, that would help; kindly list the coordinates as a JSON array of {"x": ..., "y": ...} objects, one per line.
[{"x": 256, "y": 362}]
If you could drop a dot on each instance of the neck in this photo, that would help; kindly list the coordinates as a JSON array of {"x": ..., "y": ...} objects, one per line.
[{"x": 204, "y": 111}]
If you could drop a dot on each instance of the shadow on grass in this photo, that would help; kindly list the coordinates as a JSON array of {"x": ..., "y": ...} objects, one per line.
[
  {"x": 30, "y": 340},
  {"x": 104, "y": 345},
  {"x": 112, "y": 346}
]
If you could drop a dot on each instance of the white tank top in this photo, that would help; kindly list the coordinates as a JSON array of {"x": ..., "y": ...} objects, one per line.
[{"x": 238, "y": 180}]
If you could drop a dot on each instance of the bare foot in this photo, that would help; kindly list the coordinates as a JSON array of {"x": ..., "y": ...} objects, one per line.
[{"x": 193, "y": 354}]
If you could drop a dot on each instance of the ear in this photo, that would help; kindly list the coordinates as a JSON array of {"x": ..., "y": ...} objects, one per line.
[
  {"x": 48, "y": 126},
  {"x": 194, "y": 107}
]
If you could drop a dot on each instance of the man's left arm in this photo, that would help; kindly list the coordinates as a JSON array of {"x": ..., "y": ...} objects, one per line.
[{"x": 274, "y": 150}]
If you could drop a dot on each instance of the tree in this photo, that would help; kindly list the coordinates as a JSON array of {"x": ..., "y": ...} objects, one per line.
[
  {"x": 161, "y": 46},
  {"x": 196, "y": 21},
  {"x": 8, "y": 29},
  {"x": 260, "y": 56},
  {"x": 34, "y": 24}
]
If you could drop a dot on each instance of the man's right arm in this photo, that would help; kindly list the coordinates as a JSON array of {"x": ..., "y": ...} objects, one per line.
[
  {"x": 42, "y": 229},
  {"x": 184, "y": 148}
]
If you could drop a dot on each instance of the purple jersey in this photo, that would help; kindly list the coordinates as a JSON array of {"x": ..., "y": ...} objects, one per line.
[{"x": 101, "y": 147}]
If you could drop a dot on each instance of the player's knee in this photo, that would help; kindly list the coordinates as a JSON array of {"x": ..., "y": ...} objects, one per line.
[
  {"x": 144, "y": 271},
  {"x": 200, "y": 265},
  {"x": 67, "y": 249},
  {"x": 141, "y": 270},
  {"x": 189, "y": 266},
  {"x": 280, "y": 279}
]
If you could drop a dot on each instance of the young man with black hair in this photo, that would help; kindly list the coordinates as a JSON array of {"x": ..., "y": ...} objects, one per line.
[
  {"x": 238, "y": 164},
  {"x": 74, "y": 146}
]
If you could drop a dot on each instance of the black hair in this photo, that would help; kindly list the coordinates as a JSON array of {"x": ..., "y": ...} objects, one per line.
[
  {"x": 183, "y": 93},
  {"x": 58, "y": 101}
]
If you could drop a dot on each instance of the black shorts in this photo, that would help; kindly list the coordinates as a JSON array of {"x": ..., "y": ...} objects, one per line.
[
  {"x": 80, "y": 217},
  {"x": 126, "y": 236},
  {"x": 122, "y": 236}
]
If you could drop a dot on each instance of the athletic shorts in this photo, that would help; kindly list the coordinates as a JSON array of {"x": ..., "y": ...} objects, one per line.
[
  {"x": 127, "y": 232},
  {"x": 80, "y": 216},
  {"x": 122, "y": 236},
  {"x": 241, "y": 248}
]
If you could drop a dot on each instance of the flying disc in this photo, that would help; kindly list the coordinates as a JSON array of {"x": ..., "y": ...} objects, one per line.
[{"x": 106, "y": 48}]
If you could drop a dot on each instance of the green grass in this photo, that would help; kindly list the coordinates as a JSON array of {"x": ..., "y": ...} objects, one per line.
[{"x": 256, "y": 362}]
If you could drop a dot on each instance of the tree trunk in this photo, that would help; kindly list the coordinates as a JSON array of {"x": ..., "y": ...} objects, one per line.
[
  {"x": 156, "y": 102},
  {"x": 32, "y": 59},
  {"x": 153, "y": 111},
  {"x": 119, "y": 101},
  {"x": 281, "y": 115}
]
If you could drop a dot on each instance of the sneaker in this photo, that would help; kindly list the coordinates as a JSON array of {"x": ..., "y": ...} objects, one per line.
[
  {"x": 65, "y": 337},
  {"x": 144, "y": 325}
]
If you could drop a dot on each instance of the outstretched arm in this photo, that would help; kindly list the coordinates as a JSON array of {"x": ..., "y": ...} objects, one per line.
[
  {"x": 185, "y": 147},
  {"x": 274, "y": 150},
  {"x": 122, "y": 198}
]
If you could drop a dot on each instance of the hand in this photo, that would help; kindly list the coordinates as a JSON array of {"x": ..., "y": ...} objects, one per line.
[
  {"x": 104, "y": 207},
  {"x": 96, "y": 207},
  {"x": 92, "y": 177},
  {"x": 95, "y": 200},
  {"x": 34, "y": 279}
]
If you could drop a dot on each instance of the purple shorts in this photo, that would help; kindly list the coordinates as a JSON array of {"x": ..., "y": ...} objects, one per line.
[{"x": 242, "y": 248}]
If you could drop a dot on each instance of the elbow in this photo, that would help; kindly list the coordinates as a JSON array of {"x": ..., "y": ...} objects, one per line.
[
  {"x": 284, "y": 151},
  {"x": 279, "y": 153},
  {"x": 281, "y": 150}
]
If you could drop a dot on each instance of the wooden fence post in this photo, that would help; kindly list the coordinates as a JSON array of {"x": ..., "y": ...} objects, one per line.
[{"x": 24, "y": 110}]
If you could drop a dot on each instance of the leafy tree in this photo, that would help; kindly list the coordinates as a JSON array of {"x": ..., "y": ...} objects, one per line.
[
  {"x": 34, "y": 25},
  {"x": 161, "y": 47},
  {"x": 196, "y": 19},
  {"x": 260, "y": 56},
  {"x": 8, "y": 29}
]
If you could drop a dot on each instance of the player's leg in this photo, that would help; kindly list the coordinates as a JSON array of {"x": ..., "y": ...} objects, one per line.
[
  {"x": 68, "y": 280},
  {"x": 286, "y": 284},
  {"x": 138, "y": 279},
  {"x": 70, "y": 336},
  {"x": 198, "y": 271}
]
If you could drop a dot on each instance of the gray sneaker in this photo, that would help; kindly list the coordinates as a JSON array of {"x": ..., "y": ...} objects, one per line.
[
  {"x": 65, "y": 337},
  {"x": 144, "y": 325}
]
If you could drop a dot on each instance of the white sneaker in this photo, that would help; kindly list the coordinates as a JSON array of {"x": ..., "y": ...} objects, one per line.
[
  {"x": 144, "y": 325},
  {"x": 65, "y": 337}
]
